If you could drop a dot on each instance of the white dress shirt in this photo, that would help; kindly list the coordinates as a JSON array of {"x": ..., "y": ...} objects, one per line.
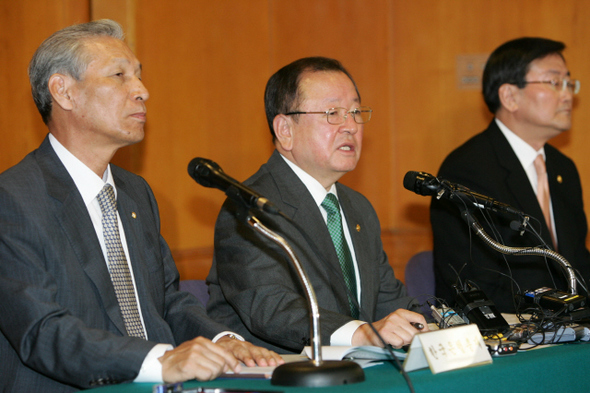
[
  {"x": 89, "y": 184},
  {"x": 343, "y": 335}
]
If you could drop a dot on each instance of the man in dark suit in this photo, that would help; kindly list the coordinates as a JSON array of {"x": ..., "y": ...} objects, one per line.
[
  {"x": 69, "y": 320},
  {"x": 527, "y": 86},
  {"x": 314, "y": 114}
]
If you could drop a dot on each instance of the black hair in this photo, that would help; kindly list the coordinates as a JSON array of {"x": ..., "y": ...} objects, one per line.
[
  {"x": 510, "y": 63},
  {"x": 282, "y": 93}
]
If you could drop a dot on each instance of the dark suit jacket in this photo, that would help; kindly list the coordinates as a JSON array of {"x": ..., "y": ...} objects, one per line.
[
  {"x": 61, "y": 327},
  {"x": 488, "y": 165},
  {"x": 254, "y": 288}
]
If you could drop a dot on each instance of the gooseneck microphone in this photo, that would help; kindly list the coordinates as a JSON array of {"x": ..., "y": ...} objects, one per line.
[
  {"x": 315, "y": 372},
  {"x": 208, "y": 174},
  {"x": 423, "y": 183}
]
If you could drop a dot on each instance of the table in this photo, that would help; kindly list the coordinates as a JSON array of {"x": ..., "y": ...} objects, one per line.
[{"x": 559, "y": 368}]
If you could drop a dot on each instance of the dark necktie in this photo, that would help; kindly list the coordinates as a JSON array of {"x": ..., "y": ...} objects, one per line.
[
  {"x": 330, "y": 204},
  {"x": 118, "y": 267}
]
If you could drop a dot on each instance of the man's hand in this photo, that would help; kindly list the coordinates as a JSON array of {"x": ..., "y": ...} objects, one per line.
[
  {"x": 395, "y": 329},
  {"x": 250, "y": 354},
  {"x": 198, "y": 359}
]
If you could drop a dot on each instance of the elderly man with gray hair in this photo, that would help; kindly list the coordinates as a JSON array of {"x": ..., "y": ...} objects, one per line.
[{"x": 88, "y": 285}]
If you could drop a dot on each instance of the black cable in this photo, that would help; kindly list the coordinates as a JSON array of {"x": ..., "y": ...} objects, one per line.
[
  {"x": 530, "y": 229},
  {"x": 579, "y": 278},
  {"x": 508, "y": 276},
  {"x": 465, "y": 208},
  {"x": 498, "y": 238},
  {"x": 542, "y": 322}
]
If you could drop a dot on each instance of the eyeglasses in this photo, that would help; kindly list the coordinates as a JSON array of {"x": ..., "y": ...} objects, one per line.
[
  {"x": 336, "y": 116},
  {"x": 561, "y": 84}
]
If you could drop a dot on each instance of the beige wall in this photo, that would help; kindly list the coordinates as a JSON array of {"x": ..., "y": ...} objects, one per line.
[{"x": 206, "y": 64}]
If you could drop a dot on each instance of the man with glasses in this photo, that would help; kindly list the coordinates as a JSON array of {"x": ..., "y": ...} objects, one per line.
[
  {"x": 528, "y": 88},
  {"x": 316, "y": 120}
]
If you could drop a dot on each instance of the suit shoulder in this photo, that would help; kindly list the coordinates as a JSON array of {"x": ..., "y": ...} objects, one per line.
[
  {"x": 260, "y": 177},
  {"x": 554, "y": 154},
  {"x": 355, "y": 197},
  {"x": 276, "y": 180},
  {"x": 125, "y": 175},
  {"x": 479, "y": 156},
  {"x": 129, "y": 179},
  {"x": 134, "y": 185},
  {"x": 469, "y": 151},
  {"x": 25, "y": 175}
]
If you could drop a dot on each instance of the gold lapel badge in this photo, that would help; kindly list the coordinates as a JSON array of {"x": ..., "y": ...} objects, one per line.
[
  {"x": 559, "y": 179},
  {"x": 133, "y": 215},
  {"x": 358, "y": 228}
]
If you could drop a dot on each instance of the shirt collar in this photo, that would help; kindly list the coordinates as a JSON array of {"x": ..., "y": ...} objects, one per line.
[
  {"x": 88, "y": 183},
  {"x": 525, "y": 152},
  {"x": 317, "y": 191}
]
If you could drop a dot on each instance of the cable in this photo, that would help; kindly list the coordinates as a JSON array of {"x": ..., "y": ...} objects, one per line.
[
  {"x": 497, "y": 244},
  {"x": 488, "y": 218}
]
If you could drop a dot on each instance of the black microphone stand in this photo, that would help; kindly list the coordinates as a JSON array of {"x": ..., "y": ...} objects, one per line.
[{"x": 315, "y": 372}]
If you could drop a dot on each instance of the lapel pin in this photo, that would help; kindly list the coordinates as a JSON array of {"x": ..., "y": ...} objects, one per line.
[
  {"x": 133, "y": 215},
  {"x": 559, "y": 179},
  {"x": 358, "y": 228}
]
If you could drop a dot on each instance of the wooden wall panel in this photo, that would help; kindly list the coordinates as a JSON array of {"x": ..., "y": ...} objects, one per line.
[
  {"x": 432, "y": 116},
  {"x": 357, "y": 34},
  {"x": 123, "y": 11},
  {"x": 206, "y": 72},
  {"x": 206, "y": 65},
  {"x": 24, "y": 24}
]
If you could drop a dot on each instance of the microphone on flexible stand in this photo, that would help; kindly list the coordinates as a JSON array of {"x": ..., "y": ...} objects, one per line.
[
  {"x": 316, "y": 372},
  {"x": 208, "y": 174},
  {"x": 423, "y": 183},
  {"x": 520, "y": 226}
]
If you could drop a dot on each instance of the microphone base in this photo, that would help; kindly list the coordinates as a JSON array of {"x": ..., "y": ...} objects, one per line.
[{"x": 329, "y": 373}]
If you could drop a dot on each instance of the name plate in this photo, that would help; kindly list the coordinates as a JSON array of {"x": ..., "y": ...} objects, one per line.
[{"x": 447, "y": 349}]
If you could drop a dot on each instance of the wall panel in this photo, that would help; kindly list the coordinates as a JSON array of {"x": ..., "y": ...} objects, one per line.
[
  {"x": 432, "y": 116},
  {"x": 357, "y": 34},
  {"x": 206, "y": 70},
  {"x": 21, "y": 32},
  {"x": 206, "y": 65}
]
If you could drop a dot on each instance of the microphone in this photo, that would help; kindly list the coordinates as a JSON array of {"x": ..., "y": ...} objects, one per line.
[
  {"x": 423, "y": 183},
  {"x": 208, "y": 174}
]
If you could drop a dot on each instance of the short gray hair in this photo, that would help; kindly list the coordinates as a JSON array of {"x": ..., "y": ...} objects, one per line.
[{"x": 63, "y": 52}]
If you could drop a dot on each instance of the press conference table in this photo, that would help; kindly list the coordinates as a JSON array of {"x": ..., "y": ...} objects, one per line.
[{"x": 559, "y": 368}]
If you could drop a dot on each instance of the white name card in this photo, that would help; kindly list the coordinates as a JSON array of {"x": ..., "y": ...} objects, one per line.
[{"x": 447, "y": 349}]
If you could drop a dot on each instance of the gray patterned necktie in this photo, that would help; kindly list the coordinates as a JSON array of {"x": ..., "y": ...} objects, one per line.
[
  {"x": 330, "y": 204},
  {"x": 118, "y": 267}
]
